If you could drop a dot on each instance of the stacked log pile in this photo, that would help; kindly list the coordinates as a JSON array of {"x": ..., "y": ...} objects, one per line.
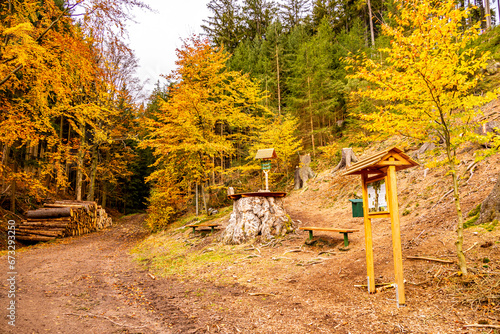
[{"x": 62, "y": 219}]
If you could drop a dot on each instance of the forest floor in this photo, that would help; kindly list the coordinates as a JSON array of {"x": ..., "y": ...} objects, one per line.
[{"x": 124, "y": 280}]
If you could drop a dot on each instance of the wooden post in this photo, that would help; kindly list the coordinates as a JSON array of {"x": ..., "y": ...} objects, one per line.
[
  {"x": 396, "y": 234},
  {"x": 204, "y": 198},
  {"x": 380, "y": 166},
  {"x": 370, "y": 271},
  {"x": 266, "y": 172}
]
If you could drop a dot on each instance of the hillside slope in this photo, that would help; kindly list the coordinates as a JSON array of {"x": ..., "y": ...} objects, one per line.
[{"x": 295, "y": 286}]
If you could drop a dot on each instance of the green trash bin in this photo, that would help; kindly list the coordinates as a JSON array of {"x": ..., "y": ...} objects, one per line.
[{"x": 357, "y": 207}]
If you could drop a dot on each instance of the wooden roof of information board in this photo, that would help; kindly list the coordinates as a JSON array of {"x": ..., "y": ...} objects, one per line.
[
  {"x": 373, "y": 164},
  {"x": 267, "y": 153}
]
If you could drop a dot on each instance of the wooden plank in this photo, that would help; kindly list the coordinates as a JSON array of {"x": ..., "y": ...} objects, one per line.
[
  {"x": 392, "y": 163},
  {"x": 365, "y": 162},
  {"x": 376, "y": 159},
  {"x": 396, "y": 235},
  {"x": 383, "y": 214},
  {"x": 370, "y": 268},
  {"x": 202, "y": 225},
  {"x": 327, "y": 229},
  {"x": 266, "y": 153},
  {"x": 379, "y": 176}
]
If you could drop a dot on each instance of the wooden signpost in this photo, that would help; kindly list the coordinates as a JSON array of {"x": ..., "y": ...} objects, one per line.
[
  {"x": 380, "y": 200},
  {"x": 266, "y": 155}
]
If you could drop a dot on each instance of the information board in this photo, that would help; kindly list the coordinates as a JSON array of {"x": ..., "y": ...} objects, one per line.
[
  {"x": 377, "y": 196},
  {"x": 266, "y": 165}
]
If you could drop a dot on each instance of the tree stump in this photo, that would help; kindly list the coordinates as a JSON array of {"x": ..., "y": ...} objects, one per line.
[
  {"x": 348, "y": 157},
  {"x": 426, "y": 147},
  {"x": 304, "y": 173},
  {"x": 490, "y": 208},
  {"x": 486, "y": 128},
  {"x": 257, "y": 216}
]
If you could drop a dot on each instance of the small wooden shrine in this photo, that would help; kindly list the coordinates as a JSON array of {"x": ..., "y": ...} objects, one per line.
[{"x": 265, "y": 155}]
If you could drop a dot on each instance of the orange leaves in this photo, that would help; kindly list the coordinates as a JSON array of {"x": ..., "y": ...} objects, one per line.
[{"x": 53, "y": 83}]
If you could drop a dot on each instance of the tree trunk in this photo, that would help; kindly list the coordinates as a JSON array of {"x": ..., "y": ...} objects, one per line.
[
  {"x": 105, "y": 183},
  {"x": 196, "y": 199},
  {"x": 65, "y": 189},
  {"x": 79, "y": 172},
  {"x": 213, "y": 170},
  {"x": 104, "y": 193},
  {"x": 27, "y": 158},
  {"x": 204, "y": 198},
  {"x": 490, "y": 208},
  {"x": 372, "y": 34},
  {"x": 311, "y": 114},
  {"x": 462, "y": 263},
  {"x": 13, "y": 188},
  {"x": 487, "y": 13},
  {"x": 278, "y": 77},
  {"x": 253, "y": 217},
  {"x": 50, "y": 213},
  {"x": 93, "y": 173},
  {"x": 348, "y": 157},
  {"x": 498, "y": 10},
  {"x": 5, "y": 159}
]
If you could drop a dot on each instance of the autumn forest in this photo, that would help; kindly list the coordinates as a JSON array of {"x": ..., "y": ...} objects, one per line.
[{"x": 299, "y": 76}]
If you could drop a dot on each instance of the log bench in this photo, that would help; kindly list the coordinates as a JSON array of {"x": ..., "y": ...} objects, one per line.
[
  {"x": 194, "y": 226},
  {"x": 344, "y": 231}
]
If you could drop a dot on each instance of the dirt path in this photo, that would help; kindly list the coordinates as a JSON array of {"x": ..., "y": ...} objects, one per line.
[{"x": 90, "y": 284}]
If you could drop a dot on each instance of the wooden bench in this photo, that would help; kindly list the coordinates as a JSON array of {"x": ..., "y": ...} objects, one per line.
[
  {"x": 194, "y": 226},
  {"x": 344, "y": 231}
]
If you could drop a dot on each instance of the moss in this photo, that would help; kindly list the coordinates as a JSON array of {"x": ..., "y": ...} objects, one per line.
[
  {"x": 490, "y": 226},
  {"x": 475, "y": 211},
  {"x": 471, "y": 222},
  {"x": 473, "y": 215},
  {"x": 288, "y": 225}
]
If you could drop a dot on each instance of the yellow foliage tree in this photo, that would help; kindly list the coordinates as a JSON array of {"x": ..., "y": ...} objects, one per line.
[
  {"x": 426, "y": 86},
  {"x": 186, "y": 135}
]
